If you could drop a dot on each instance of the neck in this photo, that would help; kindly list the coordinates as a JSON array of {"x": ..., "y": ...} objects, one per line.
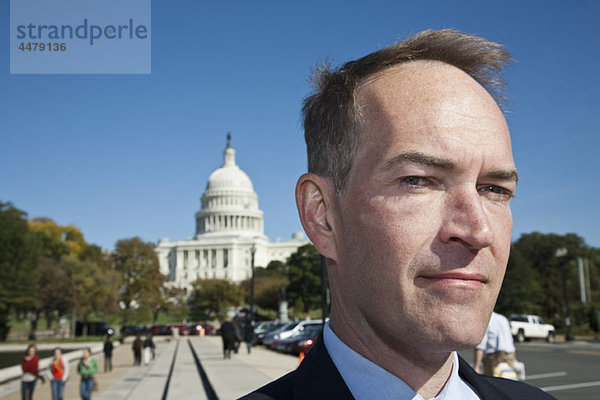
[{"x": 424, "y": 371}]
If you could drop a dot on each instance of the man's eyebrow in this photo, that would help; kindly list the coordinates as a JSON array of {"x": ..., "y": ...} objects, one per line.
[
  {"x": 504, "y": 174},
  {"x": 443, "y": 163},
  {"x": 420, "y": 158}
]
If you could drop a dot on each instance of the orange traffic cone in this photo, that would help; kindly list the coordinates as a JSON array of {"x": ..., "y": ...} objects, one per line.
[{"x": 301, "y": 358}]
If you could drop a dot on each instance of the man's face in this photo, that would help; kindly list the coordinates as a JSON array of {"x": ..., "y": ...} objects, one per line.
[{"x": 424, "y": 225}]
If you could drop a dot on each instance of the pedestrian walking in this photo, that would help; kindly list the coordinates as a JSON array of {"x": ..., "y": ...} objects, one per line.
[
  {"x": 249, "y": 334},
  {"x": 30, "y": 365},
  {"x": 496, "y": 347},
  {"x": 58, "y": 373},
  {"x": 228, "y": 335},
  {"x": 148, "y": 350},
  {"x": 137, "y": 350},
  {"x": 87, "y": 368},
  {"x": 108, "y": 349},
  {"x": 238, "y": 334}
]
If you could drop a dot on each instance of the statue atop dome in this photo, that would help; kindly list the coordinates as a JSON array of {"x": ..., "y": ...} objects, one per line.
[{"x": 229, "y": 154}]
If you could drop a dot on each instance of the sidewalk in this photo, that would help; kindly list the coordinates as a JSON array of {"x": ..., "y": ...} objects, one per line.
[
  {"x": 242, "y": 373},
  {"x": 230, "y": 378}
]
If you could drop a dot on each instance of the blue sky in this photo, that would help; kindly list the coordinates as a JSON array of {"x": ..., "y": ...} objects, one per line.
[{"x": 129, "y": 155}]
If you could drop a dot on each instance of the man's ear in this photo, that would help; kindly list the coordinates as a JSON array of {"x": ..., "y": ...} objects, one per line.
[{"x": 315, "y": 199}]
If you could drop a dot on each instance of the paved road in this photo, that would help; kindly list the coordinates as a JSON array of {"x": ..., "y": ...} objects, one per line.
[{"x": 569, "y": 371}]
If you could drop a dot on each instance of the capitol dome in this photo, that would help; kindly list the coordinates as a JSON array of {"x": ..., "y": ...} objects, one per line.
[
  {"x": 230, "y": 239},
  {"x": 229, "y": 203},
  {"x": 229, "y": 176}
]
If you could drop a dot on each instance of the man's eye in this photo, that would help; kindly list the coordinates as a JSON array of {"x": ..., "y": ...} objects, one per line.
[
  {"x": 496, "y": 192},
  {"x": 415, "y": 181}
]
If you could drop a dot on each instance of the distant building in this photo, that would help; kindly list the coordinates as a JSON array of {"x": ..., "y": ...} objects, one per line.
[{"x": 229, "y": 228}]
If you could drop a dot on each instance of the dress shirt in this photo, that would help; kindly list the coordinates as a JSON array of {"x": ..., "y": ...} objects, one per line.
[{"x": 367, "y": 380}]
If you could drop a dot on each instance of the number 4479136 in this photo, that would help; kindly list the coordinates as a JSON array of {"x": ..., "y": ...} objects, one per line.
[{"x": 33, "y": 46}]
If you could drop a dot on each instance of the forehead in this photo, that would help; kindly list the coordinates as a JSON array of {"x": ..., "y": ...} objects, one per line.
[
  {"x": 428, "y": 98},
  {"x": 405, "y": 88}
]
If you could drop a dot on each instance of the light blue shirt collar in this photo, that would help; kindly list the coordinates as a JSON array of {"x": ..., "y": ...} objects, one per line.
[{"x": 367, "y": 380}]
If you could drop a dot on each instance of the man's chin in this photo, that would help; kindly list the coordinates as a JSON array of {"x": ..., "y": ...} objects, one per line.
[{"x": 459, "y": 336}]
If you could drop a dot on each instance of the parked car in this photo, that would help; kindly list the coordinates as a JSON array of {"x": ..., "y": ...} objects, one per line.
[
  {"x": 193, "y": 329},
  {"x": 263, "y": 328},
  {"x": 209, "y": 329},
  {"x": 274, "y": 335},
  {"x": 131, "y": 330},
  {"x": 301, "y": 341},
  {"x": 93, "y": 328},
  {"x": 288, "y": 330},
  {"x": 525, "y": 327},
  {"x": 161, "y": 330}
]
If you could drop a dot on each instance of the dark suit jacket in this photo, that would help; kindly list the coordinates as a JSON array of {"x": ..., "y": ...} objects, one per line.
[{"x": 318, "y": 378}]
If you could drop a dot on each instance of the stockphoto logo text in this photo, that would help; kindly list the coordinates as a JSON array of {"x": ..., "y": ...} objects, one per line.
[
  {"x": 80, "y": 37},
  {"x": 85, "y": 31}
]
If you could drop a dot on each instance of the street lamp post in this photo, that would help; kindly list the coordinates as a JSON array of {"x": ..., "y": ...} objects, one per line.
[
  {"x": 561, "y": 255},
  {"x": 252, "y": 252}
]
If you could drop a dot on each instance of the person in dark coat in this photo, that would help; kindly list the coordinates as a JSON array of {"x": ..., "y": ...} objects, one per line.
[
  {"x": 108, "y": 350},
  {"x": 239, "y": 329},
  {"x": 137, "y": 350},
  {"x": 249, "y": 334},
  {"x": 228, "y": 334}
]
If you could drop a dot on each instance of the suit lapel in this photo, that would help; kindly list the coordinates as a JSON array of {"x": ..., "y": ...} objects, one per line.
[
  {"x": 481, "y": 386},
  {"x": 318, "y": 378}
]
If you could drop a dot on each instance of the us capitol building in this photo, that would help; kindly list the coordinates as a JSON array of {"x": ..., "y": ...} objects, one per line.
[{"x": 229, "y": 232}]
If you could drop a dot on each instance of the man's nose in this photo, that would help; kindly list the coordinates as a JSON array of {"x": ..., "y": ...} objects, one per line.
[{"x": 466, "y": 220}]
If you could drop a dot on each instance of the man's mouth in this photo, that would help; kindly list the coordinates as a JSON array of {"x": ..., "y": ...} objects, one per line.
[{"x": 459, "y": 279}]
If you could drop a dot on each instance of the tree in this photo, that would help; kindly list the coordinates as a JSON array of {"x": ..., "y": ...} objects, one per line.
[
  {"x": 142, "y": 281},
  {"x": 19, "y": 254},
  {"x": 266, "y": 289},
  {"x": 210, "y": 297},
  {"x": 539, "y": 251},
  {"x": 173, "y": 301},
  {"x": 304, "y": 274},
  {"x": 267, "y": 282},
  {"x": 71, "y": 275},
  {"x": 274, "y": 268},
  {"x": 95, "y": 287},
  {"x": 521, "y": 287},
  {"x": 57, "y": 239},
  {"x": 55, "y": 289}
]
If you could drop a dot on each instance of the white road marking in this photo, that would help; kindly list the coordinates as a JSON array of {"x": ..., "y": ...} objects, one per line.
[
  {"x": 572, "y": 386},
  {"x": 548, "y": 375}
]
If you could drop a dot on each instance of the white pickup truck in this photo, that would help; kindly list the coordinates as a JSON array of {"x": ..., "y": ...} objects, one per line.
[{"x": 525, "y": 327}]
